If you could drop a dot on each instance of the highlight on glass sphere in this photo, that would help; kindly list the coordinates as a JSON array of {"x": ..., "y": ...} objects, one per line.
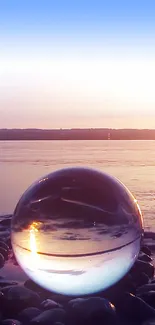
[{"x": 77, "y": 231}]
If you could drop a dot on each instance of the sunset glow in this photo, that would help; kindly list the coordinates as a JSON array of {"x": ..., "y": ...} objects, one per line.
[{"x": 77, "y": 65}]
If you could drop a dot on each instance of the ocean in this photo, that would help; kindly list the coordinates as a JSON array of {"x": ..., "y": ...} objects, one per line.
[{"x": 133, "y": 162}]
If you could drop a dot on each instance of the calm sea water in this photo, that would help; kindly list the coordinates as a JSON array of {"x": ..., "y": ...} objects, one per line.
[{"x": 133, "y": 162}]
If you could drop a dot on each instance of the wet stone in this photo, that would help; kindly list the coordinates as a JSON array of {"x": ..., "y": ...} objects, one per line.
[
  {"x": 43, "y": 293},
  {"x": 18, "y": 298},
  {"x": 4, "y": 245},
  {"x": 10, "y": 322},
  {"x": 125, "y": 285},
  {"x": 148, "y": 297},
  {"x": 149, "y": 322},
  {"x": 2, "y": 260},
  {"x": 4, "y": 252},
  {"x": 93, "y": 310},
  {"x": 146, "y": 288},
  {"x": 140, "y": 279},
  {"x": 134, "y": 308},
  {"x": 144, "y": 257},
  {"x": 32, "y": 285},
  {"x": 5, "y": 289},
  {"x": 49, "y": 304},
  {"x": 146, "y": 250},
  {"x": 5, "y": 283},
  {"x": 142, "y": 267},
  {"x": 50, "y": 317},
  {"x": 6, "y": 222},
  {"x": 26, "y": 315},
  {"x": 8, "y": 242},
  {"x": 60, "y": 299}
]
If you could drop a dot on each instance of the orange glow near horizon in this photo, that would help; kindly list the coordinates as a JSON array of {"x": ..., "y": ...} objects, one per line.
[{"x": 33, "y": 244}]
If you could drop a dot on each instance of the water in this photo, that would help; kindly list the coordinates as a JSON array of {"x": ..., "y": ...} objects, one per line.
[
  {"x": 77, "y": 231},
  {"x": 133, "y": 162}
]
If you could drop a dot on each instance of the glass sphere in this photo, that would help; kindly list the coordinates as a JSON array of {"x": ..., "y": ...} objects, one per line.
[{"x": 77, "y": 231}]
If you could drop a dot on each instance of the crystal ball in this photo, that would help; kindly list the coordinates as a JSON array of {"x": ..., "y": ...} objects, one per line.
[{"x": 77, "y": 231}]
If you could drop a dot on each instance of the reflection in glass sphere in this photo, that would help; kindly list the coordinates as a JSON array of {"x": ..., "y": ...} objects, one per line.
[{"x": 77, "y": 231}]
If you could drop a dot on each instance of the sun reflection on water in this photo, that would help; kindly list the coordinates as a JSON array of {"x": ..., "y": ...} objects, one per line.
[{"x": 33, "y": 243}]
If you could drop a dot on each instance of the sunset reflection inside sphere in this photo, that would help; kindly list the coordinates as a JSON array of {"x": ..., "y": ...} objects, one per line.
[{"x": 77, "y": 231}]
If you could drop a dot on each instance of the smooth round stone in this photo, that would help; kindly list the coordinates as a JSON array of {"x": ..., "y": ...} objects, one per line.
[
  {"x": 4, "y": 245},
  {"x": 10, "y": 322},
  {"x": 4, "y": 252},
  {"x": 77, "y": 231},
  {"x": 2, "y": 260}
]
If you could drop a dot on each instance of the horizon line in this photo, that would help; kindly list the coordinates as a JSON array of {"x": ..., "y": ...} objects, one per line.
[{"x": 87, "y": 128}]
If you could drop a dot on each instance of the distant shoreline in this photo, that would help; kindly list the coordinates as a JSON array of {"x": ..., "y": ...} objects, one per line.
[{"x": 76, "y": 134}]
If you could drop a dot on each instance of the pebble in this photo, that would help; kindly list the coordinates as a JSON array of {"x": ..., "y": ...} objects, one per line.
[
  {"x": 2, "y": 260},
  {"x": 26, "y": 315},
  {"x": 49, "y": 304},
  {"x": 140, "y": 279},
  {"x": 146, "y": 250},
  {"x": 50, "y": 317},
  {"x": 148, "y": 297},
  {"x": 4, "y": 245},
  {"x": 4, "y": 252},
  {"x": 146, "y": 288},
  {"x": 10, "y": 322},
  {"x": 144, "y": 267},
  {"x": 5, "y": 283},
  {"x": 94, "y": 310},
  {"x": 149, "y": 322},
  {"x": 134, "y": 308},
  {"x": 144, "y": 257},
  {"x": 17, "y": 298},
  {"x": 6, "y": 222}
]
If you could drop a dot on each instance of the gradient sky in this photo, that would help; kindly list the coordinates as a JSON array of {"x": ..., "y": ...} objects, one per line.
[{"x": 77, "y": 64}]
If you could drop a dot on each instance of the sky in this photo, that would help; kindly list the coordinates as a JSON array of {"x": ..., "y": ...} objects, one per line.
[{"x": 66, "y": 64}]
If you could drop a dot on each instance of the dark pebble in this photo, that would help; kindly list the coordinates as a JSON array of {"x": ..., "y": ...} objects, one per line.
[
  {"x": 140, "y": 279},
  {"x": 5, "y": 289},
  {"x": 2, "y": 260},
  {"x": 4, "y": 245},
  {"x": 26, "y": 315},
  {"x": 93, "y": 310},
  {"x": 43, "y": 293},
  {"x": 149, "y": 234},
  {"x": 148, "y": 297},
  {"x": 5, "y": 283},
  {"x": 144, "y": 257},
  {"x": 8, "y": 242},
  {"x": 142, "y": 267},
  {"x": 6, "y": 222},
  {"x": 49, "y": 304},
  {"x": 146, "y": 250},
  {"x": 32, "y": 285},
  {"x": 146, "y": 288},
  {"x": 134, "y": 308},
  {"x": 4, "y": 252},
  {"x": 11, "y": 322},
  {"x": 125, "y": 285},
  {"x": 50, "y": 317},
  {"x": 17, "y": 298},
  {"x": 60, "y": 298},
  {"x": 149, "y": 322}
]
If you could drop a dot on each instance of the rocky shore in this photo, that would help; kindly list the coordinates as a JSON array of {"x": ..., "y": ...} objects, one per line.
[{"x": 129, "y": 302}]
